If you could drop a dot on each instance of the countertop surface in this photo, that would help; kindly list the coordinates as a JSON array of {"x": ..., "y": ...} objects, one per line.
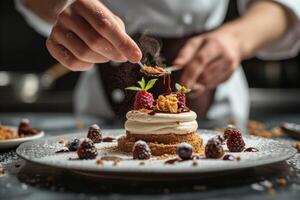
[{"x": 24, "y": 180}]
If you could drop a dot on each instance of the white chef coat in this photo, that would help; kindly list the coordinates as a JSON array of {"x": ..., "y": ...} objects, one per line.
[{"x": 175, "y": 18}]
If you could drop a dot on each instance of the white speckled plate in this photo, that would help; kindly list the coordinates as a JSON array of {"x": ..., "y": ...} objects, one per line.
[
  {"x": 43, "y": 152},
  {"x": 11, "y": 143}
]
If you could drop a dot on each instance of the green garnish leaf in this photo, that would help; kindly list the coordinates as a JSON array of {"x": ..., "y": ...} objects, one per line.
[
  {"x": 187, "y": 90},
  {"x": 150, "y": 84},
  {"x": 177, "y": 86},
  {"x": 133, "y": 88},
  {"x": 182, "y": 89},
  {"x": 142, "y": 83}
]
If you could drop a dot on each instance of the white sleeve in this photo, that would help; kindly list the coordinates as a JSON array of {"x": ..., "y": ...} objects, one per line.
[
  {"x": 288, "y": 46},
  {"x": 33, "y": 20}
]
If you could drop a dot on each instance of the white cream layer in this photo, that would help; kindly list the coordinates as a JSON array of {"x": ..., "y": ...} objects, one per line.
[{"x": 161, "y": 123}]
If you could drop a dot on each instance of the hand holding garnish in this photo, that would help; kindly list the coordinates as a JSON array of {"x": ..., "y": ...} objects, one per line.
[{"x": 143, "y": 99}]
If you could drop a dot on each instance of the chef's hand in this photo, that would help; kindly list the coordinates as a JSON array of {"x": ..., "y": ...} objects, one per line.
[
  {"x": 86, "y": 32},
  {"x": 212, "y": 58},
  {"x": 208, "y": 60}
]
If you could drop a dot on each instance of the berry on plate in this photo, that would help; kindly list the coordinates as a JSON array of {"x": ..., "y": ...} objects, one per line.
[
  {"x": 235, "y": 141},
  {"x": 184, "y": 151},
  {"x": 94, "y": 133},
  {"x": 214, "y": 149},
  {"x": 143, "y": 99},
  {"x": 87, "y": 150},
  {"x": 73, "y": 144},
  {"x": 229, "y": 129},
  {"x": 141, "y": 150}
]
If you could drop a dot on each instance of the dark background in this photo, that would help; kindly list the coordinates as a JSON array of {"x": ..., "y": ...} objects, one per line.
[{"x": 274, "y": 86}]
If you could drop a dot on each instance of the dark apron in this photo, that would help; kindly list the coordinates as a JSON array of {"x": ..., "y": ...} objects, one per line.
[{"x": 127, "y": 74}]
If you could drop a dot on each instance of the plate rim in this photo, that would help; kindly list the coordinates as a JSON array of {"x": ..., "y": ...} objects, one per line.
[
  {"x": 9, "y": 143},
  {"x": 113, "y": 170}
]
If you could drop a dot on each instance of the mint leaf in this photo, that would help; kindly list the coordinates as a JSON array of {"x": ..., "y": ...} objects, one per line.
[
  {"x": 187, "y": 90},
  {"x": 177, "y": 86},
  {"x": 142, "y": 83},
  {"x": 150, "y": 84},
  {"x": 133, "y": 88}
]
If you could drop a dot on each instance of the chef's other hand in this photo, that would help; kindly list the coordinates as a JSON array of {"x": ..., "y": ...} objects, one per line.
[
  {"x": 86, "y": 32},
  {"x": 208, "y": 60}
]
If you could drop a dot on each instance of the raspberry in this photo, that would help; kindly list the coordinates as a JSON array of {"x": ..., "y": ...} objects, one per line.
[
  {"x": 184, "y": 151},
  {"x": 235, "y": 142},
  {"x": 143, "y": 99},
  {"x": 141, "y": 151},
  {"x": 87, "y": 150},
  {"x": 181, "y": 99},
  {"x": 229, "y": 129},
  {"x": 214, "y": 149},
  {"x": 94, "y": 133},
  {"x": 180, "y": 94},
  {"x": 73, "y": 144}
]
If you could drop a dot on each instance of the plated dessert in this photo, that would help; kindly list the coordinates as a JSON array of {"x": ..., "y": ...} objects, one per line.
[
  {"x": 24, "y": 130},
  {"x": 161, "y": 123},
  {"x": 11, "y": 137}
]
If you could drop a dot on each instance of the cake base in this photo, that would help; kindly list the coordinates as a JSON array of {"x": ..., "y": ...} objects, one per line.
[{"x": 161, "y": 144}]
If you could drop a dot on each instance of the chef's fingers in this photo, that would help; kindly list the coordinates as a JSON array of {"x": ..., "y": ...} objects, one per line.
[
  {"x": 197, "y": 90},
  {"x": 188, "y": 51},
  {"x": 75, "y": 45},
  {"x": 205, "y": 55},
  {"x": 65, "y": 57},
  {"x": 217, "y": 80},
  {"x": 93, "y": 39},
  {"x": 217, "y": 72},
  {"x": 102, "y": 20}
]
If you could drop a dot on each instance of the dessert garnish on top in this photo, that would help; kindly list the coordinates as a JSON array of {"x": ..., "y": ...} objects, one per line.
[
  {"x": 174, "y": 102},
  {"x": 154, "y": 71},
  {"x": 143, "y": 99}
]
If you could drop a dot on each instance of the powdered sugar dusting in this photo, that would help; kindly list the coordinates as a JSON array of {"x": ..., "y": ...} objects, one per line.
[{"x": 43, "y": 151}]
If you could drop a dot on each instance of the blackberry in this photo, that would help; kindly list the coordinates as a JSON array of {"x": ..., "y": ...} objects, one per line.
[
  {"x": 220, "y": 138},
  {"x": 184, "y": 151},
  {"x": 235, "y": 141},
  {"x": 94, "y": 133},
  {"x": 24, "y": 127},
  {"x": 214, "y": 149},
  {"x": 87, "y": 150},
  {"x": 141, "y": 150},
  {"x": 229, "y": 129},
  {"x": 73, "y": 144}
]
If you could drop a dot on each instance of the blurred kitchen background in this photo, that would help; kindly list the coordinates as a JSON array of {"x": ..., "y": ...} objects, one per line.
[{"x": 31, "y": 80}]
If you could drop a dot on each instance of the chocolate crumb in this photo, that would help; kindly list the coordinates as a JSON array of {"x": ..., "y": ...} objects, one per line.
[
  {"x": 194, "y": 163},
  {"x": 271, "y": 191},
  {"x": 238, "y": 158},
  {"x": 115, "y": 162},
  {"x": 63, "y": 151},
  {"x": 99, "y": 162},
  {"x": 142, "y": 163},
  {"x": 281, "y": 182},
  {"x": 297, "y": 146},
  {"x": 61, "y": 141},
  {"x": 2, "y": 171},
  {"x": 108, "y": 139}
]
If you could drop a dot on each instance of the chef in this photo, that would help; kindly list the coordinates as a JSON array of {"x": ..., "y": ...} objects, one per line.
[{"x": 97, "y": 37}]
